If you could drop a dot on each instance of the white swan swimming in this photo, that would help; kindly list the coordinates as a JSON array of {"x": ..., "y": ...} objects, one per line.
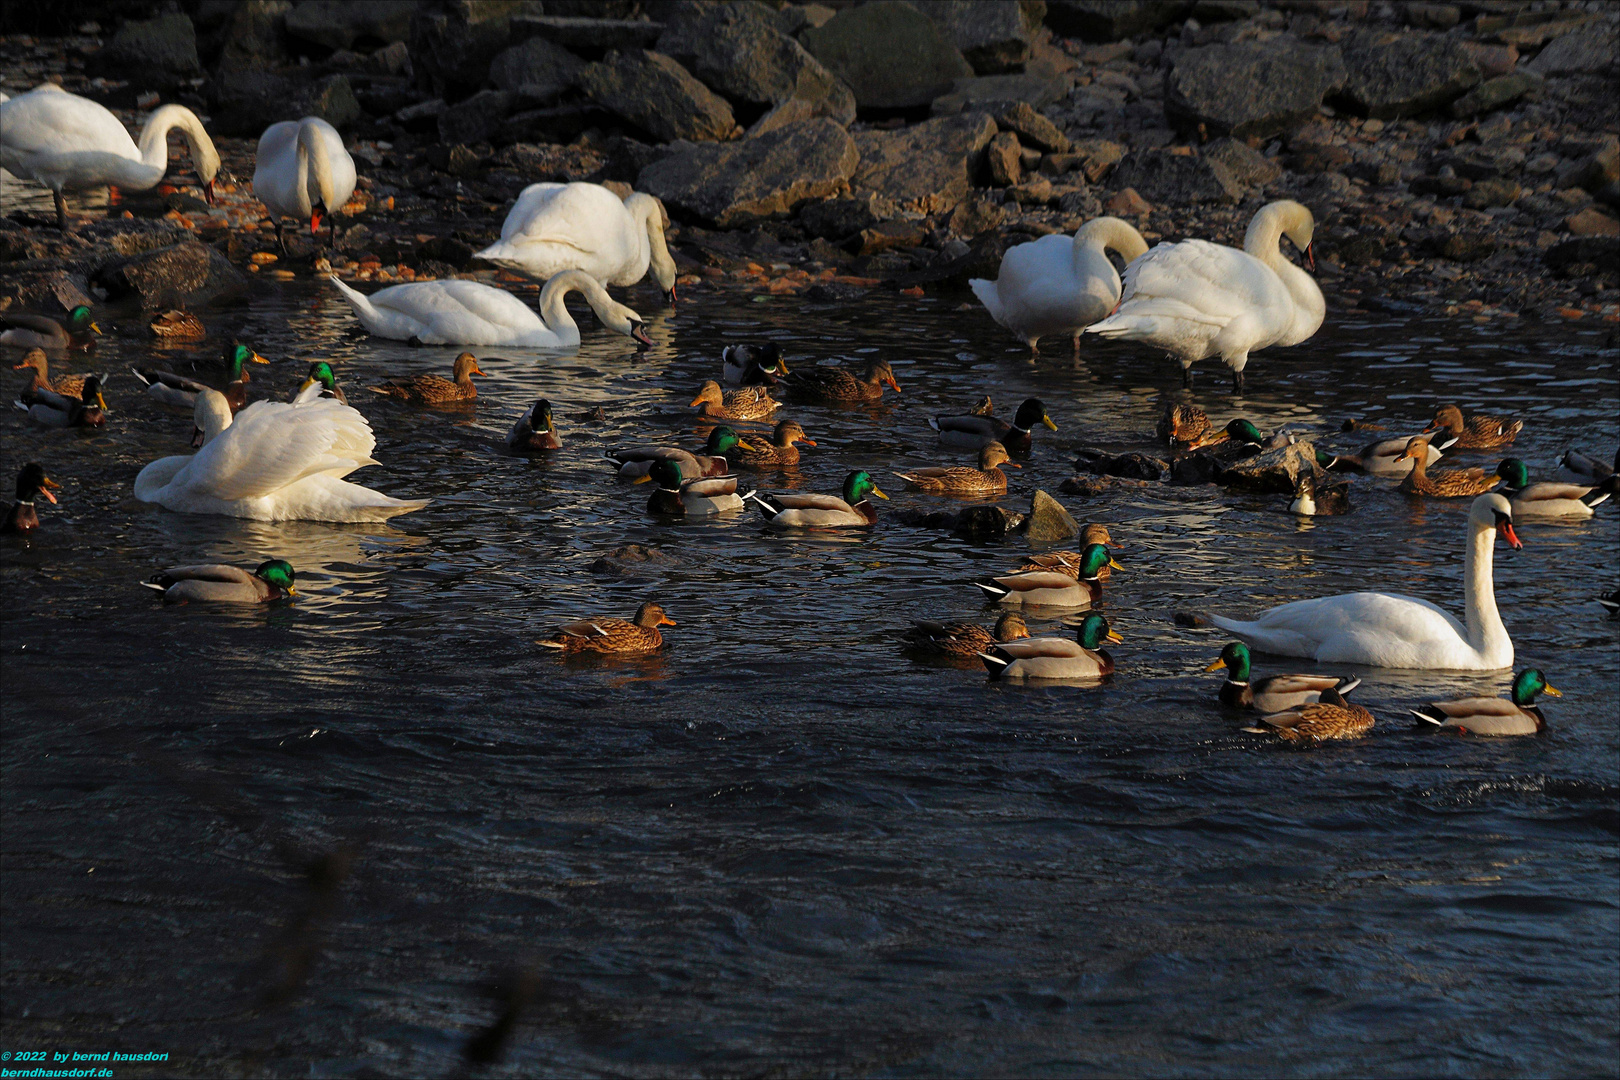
[
  {"x": 1058, "y": 284},
  {"x": 1387, "y": 630},
  {"x": 273, "y": 462},
  {"x": 457, "y": 312},
  {"x": 1196, "y": 300},
  {"x": 578, "y": 226},
  {"x": 68, "y": 143},
  {"x": 300, "y": 169}
]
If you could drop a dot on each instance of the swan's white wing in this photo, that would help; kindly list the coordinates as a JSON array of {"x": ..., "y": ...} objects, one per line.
[
  {"x": 271, "y": 445},
  {"x": 1365, "y": 627},
  {"x": 423, "y": 300},
  {"x": 578, "y": 226},
  {"x": 275, "y": 169},
  {"x": 52, "y": 122},
  {"x": 1219, "y": 281}
]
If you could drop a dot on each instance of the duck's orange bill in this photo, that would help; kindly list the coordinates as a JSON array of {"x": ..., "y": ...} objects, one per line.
[{"x": 45, "y": 485}]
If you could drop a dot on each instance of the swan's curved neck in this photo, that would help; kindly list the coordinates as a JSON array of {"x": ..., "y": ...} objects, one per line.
[
  {"x": 1485, "y": 630},
  {"x": 154, "y": 144},
  {"x": 645, "y": 209},
  {"x": 312, "y": 155},
  {"x": 554, "y": 312},
  {"x": 1264, "y": 238}
]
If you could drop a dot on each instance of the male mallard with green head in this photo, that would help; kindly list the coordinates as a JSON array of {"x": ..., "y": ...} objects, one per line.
[
  {"x": 31, "y": 484},
  {"x": 976, "y": 430},
  {"x": 635, "y": 462},
  {"x": 220, "y": 583},
  {"x": 853, "y": 510},
  {"x": 43, "y": 332},
  {"x": 702, "y": 496},
  {"x": 181, "y": 392},
  {"x": 1274, "y": 693},
  {"x": 534, "y": 430},
  {"x": 1053, "y": 588},
  {"x": 1055, "y": 658},
  {"x": 1493, "y": 716}
]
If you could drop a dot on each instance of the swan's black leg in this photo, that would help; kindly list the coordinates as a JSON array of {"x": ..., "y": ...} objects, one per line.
[
  {"x": 61, "y": 210},
  {"x": 281, "y": 240},
  {"x": 1186, "y": 376},
  {"x": 1237, "y": 382}
]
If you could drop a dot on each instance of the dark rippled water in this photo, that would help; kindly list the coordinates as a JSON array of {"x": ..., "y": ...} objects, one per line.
[{"x": 783, "y": 847}]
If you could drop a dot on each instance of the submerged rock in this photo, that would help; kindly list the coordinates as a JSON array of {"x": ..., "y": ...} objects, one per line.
[{"x": 738, "y": 183}]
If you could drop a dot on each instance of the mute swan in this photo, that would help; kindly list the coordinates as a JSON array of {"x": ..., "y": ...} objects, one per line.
[
  {"x": 1196, "y": 300},
  {"x": 1059, "y": 284},
  {"x": 67, "y": 143},
  {"x": 557, "y": 227},
  {"x": 456, "y": 312},
  {"x": 273, "y": 462},
  {"x": 301, "y": 168},
  {"x": 1386, "y": 630}
]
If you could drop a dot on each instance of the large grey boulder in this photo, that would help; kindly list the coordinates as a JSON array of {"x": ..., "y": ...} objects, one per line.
[
  {"x": 1048, "y": 522},
  {"x": 658, "y": 95},
  {"x": 994, "y": 36},
  {"x": 1588, "y": 51},
  {"x": 161, "y": 51},
  {"x": 1389, "y": 75},
  {"x": 1273, "y": 471},
  {"x": 742, "y": 182},
  {"x": 998, "y": 93},
  {"x": 1251, "y": 88},
  {"x": 337, "y": 24},
  {"x": 181, "y": 275},
  {"x": 929, "y": 165},
  {"x": 476, "y": 119},
  {"x": 451, "y": 51},
  {"x": 1497, "y": 93},
  {"x": 246, "y": 102},
  {"x": 1177, "y": 179},
  {"x": 888, "y": 53},
  {"x": 538, "y": 71},
  {"x": 737, "y": 47},
  {"x": 1111, "y": 20},
  {"x": 256, "y": 36}
]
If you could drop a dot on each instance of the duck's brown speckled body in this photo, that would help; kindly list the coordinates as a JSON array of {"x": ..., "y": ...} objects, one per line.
[
  {"x": 780, "y": 453},
  {"x": 744, "y": 403},
  {"x": 1330, "y": 718},
  {"x": 840, "y": 384},
  {"x": 1478, "y": 432},
  {"x": 621, "y": 637},
  {"x": 1442, "y": 483},
  {"x": 963, "y": 642},
  {"x": 436, "y": 389},
  {"x": 960, "y": 480}
]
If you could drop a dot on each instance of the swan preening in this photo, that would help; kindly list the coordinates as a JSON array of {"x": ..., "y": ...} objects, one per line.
[
  {"x": 1198, "y": 300},
  {"x": 68, "y": 143},
  {"x": 457, "y": 312},
  {"x": 273, "y": 462},
  {"x": 301, "y": 169},
  {"x": 1386, "y": 630},
  {"x": 1059, "y": 284},
  {"x": 578, "y": 226}
]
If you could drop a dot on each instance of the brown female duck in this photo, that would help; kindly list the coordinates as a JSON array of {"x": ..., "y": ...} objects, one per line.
[
  {"x": 35, "y": 360},
  {"x": 1443, "y": 483},
  {"x": 1332, "y": 717},
  {"x": 746, "y": 403},
  {"x": 963, "y": 642},
  {"x": 1184, "y": 426},
  {"x": 436, "y": 389},
  {"x": 959, "y": 480},
  {"x": 840, "y": 384},
  {"x": 621, "y": 637},
  {"x": 1478, "y": 432},
  {"x": 177, "y": 325},
  {"x": 779, "y": 453}
]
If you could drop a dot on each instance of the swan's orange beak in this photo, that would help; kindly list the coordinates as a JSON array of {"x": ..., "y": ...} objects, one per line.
[
  {"x": 1310, "y": 259},
  {"x": 208, "y": 193},
  {"x": 670, "y": 297},
  {"x": 640, "y": 334},
  {"x": 196, "y": 438},
  {"x": 1504, "y": 529},
  {"x": 314, "y": 221}
]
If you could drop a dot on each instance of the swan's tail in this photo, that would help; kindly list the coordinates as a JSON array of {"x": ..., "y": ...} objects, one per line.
[
  {"x": 989, "y": 297},
  {"x": 364, "y": 309},
  {"x": 1153, "y": 316}
]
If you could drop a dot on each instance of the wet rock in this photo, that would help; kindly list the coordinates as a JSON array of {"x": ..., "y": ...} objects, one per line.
[
  {"x": 975, "y": 215},
  {"x": 256, "y": 36},
  {"x": 659, "y": 96},
  {"x": 1590, "y": 51},
  {"x": 337, "y": 24},
  {"x": 738, "y": 48},
  {"x": 1393, "y": 75},
  {"x": 1496, "y": 94},
  {"x": 1195, "y": 468},
  {"x": 1001, "y": 159},
  {"x": 1048, "y": 522},
  {"x": 537, "y": 71},
  {"x": 1247, "y": 165},
  {"x": 994, "y": 36},
  {"x": 738, "y": 183},
  {"x": 1589, "y": 222},
  {"x": 998, "y": 93},
  {"x": 161, "y": 52},
  {"x": 476, "y": 119},
  {"x": 888, "y": 53},
  {"x": 889, "y": 235},
  {"x": 593, "y": 35},
  {"x": 1178, "y": 179},
  {"x": 1488, "y": 193},
  {"x": 452, "y": 51},
  {"x": 1130, "y": 466},
  {"x": 1032, "y": 128},
  {"x": 1111, "y": 20},
  {"x": 44, "y": 285},
  {"x": 1252, "y": 87},
  {"x": 1274, "y": 471},
  {"x": 1091, "y": 486},
  {"x": 981, "y": 523},
  {"x": 929, "y": 165},
  {"x": 1097, "y": 157},
  {"x": 839, "y": 219},
  {"x": 186, "y": 275},
  {"x": 246, "y": 102}
]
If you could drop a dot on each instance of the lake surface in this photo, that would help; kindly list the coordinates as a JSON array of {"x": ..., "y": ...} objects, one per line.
[{"x": 784, "y": 846}]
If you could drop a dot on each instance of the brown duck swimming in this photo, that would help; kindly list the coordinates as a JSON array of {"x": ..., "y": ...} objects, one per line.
[
  {"x": 842, "y": 384},
  {"x": 963, "y": 642},
  {"x": 1442, "y": 483},
  {"x": 622, "y": 637},
  {"x": 779, "y": 453},
  {"x": 960, "y": 480},
  {"x": 1332, "y": 717},
  {"x": 435, "y": 389},
  {"x": 35, "y": 360},
  {"x": 1184, "y": 426},
  {"x": 746, "y": 403},
  {"x": 1478, "y": 432}
]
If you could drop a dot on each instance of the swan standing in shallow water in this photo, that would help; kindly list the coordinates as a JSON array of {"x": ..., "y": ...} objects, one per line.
[
  {"x": 456, "y": 312},
  {"x": 1386, "y": 630},
  {"x": 273, "y": 462},
  {"x": 302, "y": 168},
  {"x": 1196, "y": 300},
  {"x": 68, "y": 143},
  {"x": 1058, "y": 284},
  {"x": 557, "y": 227}
]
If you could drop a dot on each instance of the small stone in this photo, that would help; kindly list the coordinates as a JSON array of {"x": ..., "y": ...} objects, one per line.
[
  {"x": 1592, "y": 222},
  {"x": 1247, "y": 165},
  {"x": 1048, "y": 521},
  {"x": 1275, "y": 471},
  {"x": 1496, "y": 93},
  {"x": 974, "y": 215},
  {"x": 1488, "y": 193},
  {"x": 1097, "y": 157},
  {"x": 1127, "y": 203},
  {"x": 888, "y": 235},
  {"x": 1032, "y": 128},
  {"x": 1002, "y": 159}
]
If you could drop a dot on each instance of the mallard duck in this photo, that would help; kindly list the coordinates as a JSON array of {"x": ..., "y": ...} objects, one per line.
[
  {"x": 744, "y": 403},
  {"x": 1274, "y": 693},
  {"x": 43, "y": 332},
  {"x": 841, "y": 384},
  {"x": 1610, "y": 602},
  {"x": 1326, "y": 500},
  {"x": 1184, "y": 426},
  {"x": 1051, "y": 587},
  {"x": 779, "y": 453},
  {"x": 1493, "y": 716},
  {"x": 1589, "y": 468},
  {"x": 223, "y": 584},
  {"x": 976, "y": 431},
  {"x": 701, "y": 497},
  {"x": 623, "y": 637},
  {"x": 177, "y": 325},
  {"x": 1549, "y": 500},
  {"x": 1478, "y": 433},
  {"x": 534, "y": 430},
  {"x": 959, "y": 480},
  {"x": 435, "y": 389},
  {"x": 181, "y": 391},
  {"x": 854, "y": 510},
  {"x": 1068, "y": 562},
  {"x": 752, "y": 365},
  {"x": 320, "y": 376},
  {"x": 1055, "y": 658},
  {"x": 58, "y": 410},
  {"x": 963, "y": 642},
  {"x": 983, "y": 407},
  {"x": 31, "y": 484},
  {"x": 1446, "y": 483},
  {"x": 1386, "y": 457},
  {"x": 35, "y": 361},
  {"x": 1330, "y": 717},
  {"x": 635, "y": 462}
]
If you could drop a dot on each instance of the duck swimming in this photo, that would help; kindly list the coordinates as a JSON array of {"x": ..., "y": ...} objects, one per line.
[
  {"x": 978, "y": 430},
  {"x": 1493, "y": 716},
  {"x": 853, "y": 511},
  {"x": 622, "y": 637},
  {"x": 32, "y": 483},
  {"x": 223, "y": 584}
]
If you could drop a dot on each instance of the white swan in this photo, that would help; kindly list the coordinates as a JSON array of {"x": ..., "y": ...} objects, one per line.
[
  {"x": 1197, "y": 300},
  {"x": 557, "y": 227},
  {"x": 456, "y": 312},
  {"x": 1386, "y": 630},
  {"x": 67, "y": 143},
  {"x": 300, "y": 169},
  {"x": 274, "y": 462},
  {"x": 1059, "y": 285}
]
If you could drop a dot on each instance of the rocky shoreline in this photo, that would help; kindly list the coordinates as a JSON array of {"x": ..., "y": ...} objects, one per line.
[{"x": 1459, "y": 158}]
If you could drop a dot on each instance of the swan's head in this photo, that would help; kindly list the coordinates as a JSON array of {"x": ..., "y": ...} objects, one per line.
[
  {"x": 615, "y": 316},
  {"x": 1493, "y": 511},
  {"x": 660, "y": 263},
  {"x": 211, "y": 415},
  {"x": 278, "y": 574},
  {"x": 1299, "y": 226}
]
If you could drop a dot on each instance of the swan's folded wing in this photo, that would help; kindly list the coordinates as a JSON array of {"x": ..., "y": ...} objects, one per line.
[
  {"x": 1209, "y": 277},
  {"x": 453, "y": 296},
  {"x": 272, "y": 444},
  {"x": 61, "y": 123},
  {"x": 534, "y": 206}
]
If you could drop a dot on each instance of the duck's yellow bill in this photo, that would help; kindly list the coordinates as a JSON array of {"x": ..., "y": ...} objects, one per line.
[
  {"x": 94, "y": 329},
  {"x": 291, "y": 591},
  {"x": 101, "y": 401},
  {"x": 878, "y": 493},
  {"x": 1047, "y": 420},
  {"x": 1549, "y": 689},
  {"x": 1113, "y": 635},
  {"x": 1115, "y": 565},
  {"x": 642, "y": 479},
  {"x": 1216, "y": 666},
  {"x": 257, "y": 359},
  {"x": 307, "y": 383}
]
